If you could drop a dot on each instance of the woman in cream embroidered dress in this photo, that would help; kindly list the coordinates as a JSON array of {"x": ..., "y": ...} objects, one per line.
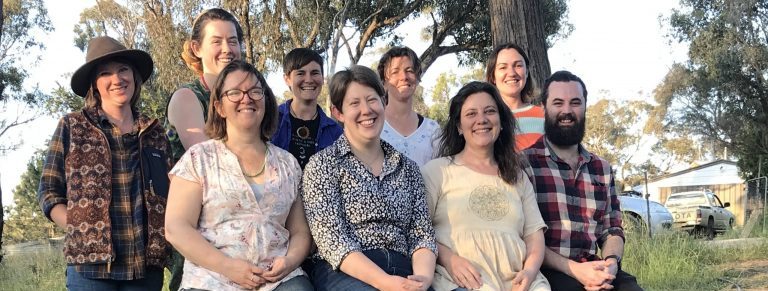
[
  {"x": 234, "y": 212},
  {"x": 489, "y": 230}
]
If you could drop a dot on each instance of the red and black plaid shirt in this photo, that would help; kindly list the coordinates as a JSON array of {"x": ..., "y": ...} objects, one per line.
[{"x": 579, "y": 207}]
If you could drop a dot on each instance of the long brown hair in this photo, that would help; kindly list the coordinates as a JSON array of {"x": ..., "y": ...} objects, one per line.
[
  {"x": 451, "y": 143},
  {"x": 526, "y": 95}
]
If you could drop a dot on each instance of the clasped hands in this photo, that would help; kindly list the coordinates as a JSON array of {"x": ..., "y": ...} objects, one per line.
[
  {"x": 596, "y": 275},
  {"x": 250, "y": 276}
]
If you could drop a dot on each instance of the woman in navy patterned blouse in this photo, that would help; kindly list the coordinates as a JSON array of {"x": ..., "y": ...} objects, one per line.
[{"x": 365, "y": 201}]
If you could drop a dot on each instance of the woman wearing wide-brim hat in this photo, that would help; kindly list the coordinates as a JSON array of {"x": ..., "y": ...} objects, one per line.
[{"x": 105, "y": 176}]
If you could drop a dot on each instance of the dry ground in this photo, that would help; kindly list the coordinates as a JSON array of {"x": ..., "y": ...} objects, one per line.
[{"x": 749, "y": 275}]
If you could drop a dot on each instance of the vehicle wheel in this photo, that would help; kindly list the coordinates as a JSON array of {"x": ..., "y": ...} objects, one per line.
[
  {"x": 710, "y": 229},
  {"x": 632, "y": 224}
]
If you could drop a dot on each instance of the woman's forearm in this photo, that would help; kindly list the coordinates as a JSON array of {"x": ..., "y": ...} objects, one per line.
[
  {"x": 534, "y": 246},
  {"x": 444, "y": 254},
  {"x": 357, "y": 265},
  {"x": 423, "y": 261}
]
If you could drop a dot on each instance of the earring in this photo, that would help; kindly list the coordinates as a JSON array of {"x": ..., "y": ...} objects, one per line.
[{"x": 460, "y": 132}]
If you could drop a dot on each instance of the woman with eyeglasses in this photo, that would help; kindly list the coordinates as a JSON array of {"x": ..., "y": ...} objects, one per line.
[{"x": 233, "y": 210}]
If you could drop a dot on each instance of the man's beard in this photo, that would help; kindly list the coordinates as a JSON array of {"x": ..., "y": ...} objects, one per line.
[{"x": 566, "y": 135}]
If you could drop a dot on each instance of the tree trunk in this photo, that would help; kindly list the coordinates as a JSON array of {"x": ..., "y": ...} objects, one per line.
[{"x": 521, "y": 22}]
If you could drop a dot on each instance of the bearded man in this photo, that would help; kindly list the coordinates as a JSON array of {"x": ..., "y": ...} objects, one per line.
[{"x": 575, "y": 192}]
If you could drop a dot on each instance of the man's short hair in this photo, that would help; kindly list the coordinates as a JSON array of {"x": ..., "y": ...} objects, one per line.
[
  {"x": 561, "y": 76},
  {"x": 300, "y": 57}
]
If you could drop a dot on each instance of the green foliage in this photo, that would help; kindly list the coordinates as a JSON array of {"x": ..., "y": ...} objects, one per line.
[
  {"x": 441, "y": 97},
  {"x": 25, "y": 221},
  {"x": 22, "y": 21},
  {"x": 464, "y": 28},
  {"x": 721, "y": 93},
  {"x": 615, "y": 130}
]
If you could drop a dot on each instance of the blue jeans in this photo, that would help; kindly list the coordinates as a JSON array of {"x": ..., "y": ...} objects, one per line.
[
  {"x": 326, "y": 279},
  {"x": 298, "y": 283},
  {"x": 153, "y": 280}
]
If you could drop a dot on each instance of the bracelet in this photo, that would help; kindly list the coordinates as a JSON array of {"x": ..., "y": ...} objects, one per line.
[{"x": 618, "y": 260}]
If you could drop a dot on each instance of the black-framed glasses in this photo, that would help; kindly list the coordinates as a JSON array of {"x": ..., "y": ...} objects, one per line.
[{"x": 237, "y": 95}]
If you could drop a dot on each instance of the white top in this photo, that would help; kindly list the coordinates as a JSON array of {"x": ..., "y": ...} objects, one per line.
[
  {"x": 419, "y": 146},
  {"x": 233, "y": 218}
]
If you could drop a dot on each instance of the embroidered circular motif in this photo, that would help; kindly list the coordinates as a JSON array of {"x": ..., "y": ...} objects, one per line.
[{"x": 488, "y": 203}]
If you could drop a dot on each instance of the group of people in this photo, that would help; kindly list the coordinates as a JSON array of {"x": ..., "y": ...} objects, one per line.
[{"x": 233, "y": 191}]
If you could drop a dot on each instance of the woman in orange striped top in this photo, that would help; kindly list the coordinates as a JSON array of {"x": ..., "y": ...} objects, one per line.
[{"x": 507, "y": 69}]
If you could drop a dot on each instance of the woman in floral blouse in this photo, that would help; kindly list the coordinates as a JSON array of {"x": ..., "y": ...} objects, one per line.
[
  {"x": 365, "y": 202},
  {"x": 232, "y": 210}
]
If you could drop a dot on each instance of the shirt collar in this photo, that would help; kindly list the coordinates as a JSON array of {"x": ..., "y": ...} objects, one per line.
[
  {"x": 391, "y": 156},
  {"x": 586, "y": 156}
]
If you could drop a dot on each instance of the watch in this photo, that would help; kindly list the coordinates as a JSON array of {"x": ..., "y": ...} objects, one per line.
[{"x": 618, "y": 259}]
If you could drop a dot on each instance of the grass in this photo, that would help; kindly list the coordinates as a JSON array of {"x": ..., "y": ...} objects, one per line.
[
  {"x": 676, "y": 261},
  {"x": 43, "y": 270},
  {"x": 671, "y": 261}
]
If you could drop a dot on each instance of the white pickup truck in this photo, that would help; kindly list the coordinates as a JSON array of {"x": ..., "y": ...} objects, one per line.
[{"x": 700, "y": 212}]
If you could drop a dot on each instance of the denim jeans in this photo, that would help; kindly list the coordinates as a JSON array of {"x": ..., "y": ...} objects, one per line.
[
  {"x": 153, "y": 280},
  {"x": 326, "y": 279}
]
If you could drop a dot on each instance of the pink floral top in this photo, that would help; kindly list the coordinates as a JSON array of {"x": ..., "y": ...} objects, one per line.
[{"x": 231, "y": 218}]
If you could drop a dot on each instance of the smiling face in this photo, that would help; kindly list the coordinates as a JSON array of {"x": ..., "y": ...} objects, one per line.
[
  {"x": 362, "y": 113},
  {"x": 247, "y": 113},
  {"x": 306, "y": 82},
  {"x": 400, "y": 79},
  {"x": 565, "y": 110},
  {"x": 115, "y": 84},
  {"x": 479, "y": 121},
  {"x": 219, "y": 46},
  {"x": 510, "y": 73}
]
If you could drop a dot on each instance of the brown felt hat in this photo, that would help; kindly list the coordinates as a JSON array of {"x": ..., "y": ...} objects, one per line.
[{"x": 104, "y": 48}]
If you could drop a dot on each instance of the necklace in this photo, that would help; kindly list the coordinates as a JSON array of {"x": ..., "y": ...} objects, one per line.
[
  {"x": 205, "y": 85},
  {"x": 263, "y": 166},
  {"x": 303, "y": 131}
]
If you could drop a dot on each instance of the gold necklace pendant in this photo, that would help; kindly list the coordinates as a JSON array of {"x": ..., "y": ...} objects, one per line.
[{"x": 263, "y": 167}]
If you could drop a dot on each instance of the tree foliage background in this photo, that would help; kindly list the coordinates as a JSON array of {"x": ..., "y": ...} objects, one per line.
[
  {"x": 23, "y": 22},
  {"x": 24, "y": 220},
  {"x": 720, "y": 95}
]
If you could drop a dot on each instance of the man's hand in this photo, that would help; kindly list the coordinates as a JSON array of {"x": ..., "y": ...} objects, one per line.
[
  {"x": 463, "y": 273},
  {"x": 611, "y": 266},
  {"x": 593, "y": 275}
]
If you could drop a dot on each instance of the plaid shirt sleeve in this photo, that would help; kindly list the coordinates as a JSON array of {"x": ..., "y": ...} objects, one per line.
[
  {"x": 612, "y": 217},
  {"x": 53, "y": 184}
]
